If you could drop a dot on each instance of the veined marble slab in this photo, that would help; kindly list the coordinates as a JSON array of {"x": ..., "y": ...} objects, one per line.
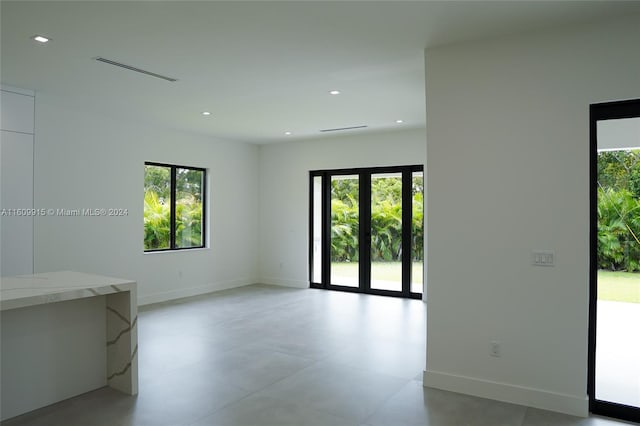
[
  {"x": 121, "y": 313},
  {"x": 30, "y": 290}
]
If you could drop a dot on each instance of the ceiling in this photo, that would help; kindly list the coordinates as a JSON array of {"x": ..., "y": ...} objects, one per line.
[{"x": 261, "y": 68}]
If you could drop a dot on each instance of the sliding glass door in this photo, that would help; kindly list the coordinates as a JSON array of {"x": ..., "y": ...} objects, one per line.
[
  {"x": 614, "y": 330},
  {"x": 345, "y": 238},
  {"x": 417, "y": 232},
  {"x": 386, "y": 231},
  {"x": 366, "y": 230}
]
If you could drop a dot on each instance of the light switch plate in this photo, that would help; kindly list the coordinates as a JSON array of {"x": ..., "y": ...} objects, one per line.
[{"x": 543, "y": 258}]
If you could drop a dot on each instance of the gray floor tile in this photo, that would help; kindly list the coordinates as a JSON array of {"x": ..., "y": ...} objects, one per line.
[
  {"x": 385, "y": 356},
  {"x": 337, "y": 389},
  {"x": 268, "y": 411},
  {"x": 265, "y": 355},
  {"x": 253, "y": 366},
  {"x": 177, "y": 352},
  {"x": 416, "y": 405},
  {"x": 180, "y": 397},
  {"x": 535, "y": 417},
  {"x": 94, "y": 408}
]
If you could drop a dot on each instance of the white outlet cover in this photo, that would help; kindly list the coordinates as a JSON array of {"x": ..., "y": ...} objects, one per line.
[{"x": 494, "y": 349}]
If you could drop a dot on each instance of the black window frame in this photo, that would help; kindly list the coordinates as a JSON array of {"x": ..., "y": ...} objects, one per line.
[
  {"x": 364, "y": 175},
  {"x": 172, "y": 218}
]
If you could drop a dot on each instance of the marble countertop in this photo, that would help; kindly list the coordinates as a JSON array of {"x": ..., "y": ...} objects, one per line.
[{"x": 37, "y": 289}]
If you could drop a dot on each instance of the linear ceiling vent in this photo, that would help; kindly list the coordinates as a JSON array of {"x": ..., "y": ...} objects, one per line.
[
  {"x": 339, "y": 129},
  {"x": 130, "y": 68}
]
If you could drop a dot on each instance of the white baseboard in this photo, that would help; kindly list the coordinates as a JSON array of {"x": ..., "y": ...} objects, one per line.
[
  {"x": 285, "y": 282},
  {"x": 192, "y": 291},
  {"x": 530, "y": 397}
]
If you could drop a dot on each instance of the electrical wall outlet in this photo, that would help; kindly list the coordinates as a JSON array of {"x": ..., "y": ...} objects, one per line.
[{"x": 494, "y": 348}]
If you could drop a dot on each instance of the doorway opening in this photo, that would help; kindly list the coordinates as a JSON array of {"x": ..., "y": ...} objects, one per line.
[
  {"x": 367, "y": 230},
  {"x": 614, "y": 314}
]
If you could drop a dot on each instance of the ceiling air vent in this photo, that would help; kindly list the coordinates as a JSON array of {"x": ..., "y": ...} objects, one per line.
[
  {"x": 131, "y": 68},
  {"x": 339, "y": 129}
]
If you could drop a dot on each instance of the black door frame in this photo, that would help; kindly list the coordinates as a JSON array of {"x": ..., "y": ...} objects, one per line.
[
  {"x": 364, "y": 202},
  {"x": 599, "y": 112}
]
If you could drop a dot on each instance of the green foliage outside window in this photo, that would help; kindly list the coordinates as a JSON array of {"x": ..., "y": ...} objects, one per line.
[
  {"x": 157, "y": 229},
  {"x": 386, "y": 220},
  {"x": 619, "y": 210}
]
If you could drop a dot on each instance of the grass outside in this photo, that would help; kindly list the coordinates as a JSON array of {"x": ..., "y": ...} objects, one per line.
[
  {"x": 388, "y": 271},
  {"x": 612, "y": 286},
  {"x": 619, "y": 286}
]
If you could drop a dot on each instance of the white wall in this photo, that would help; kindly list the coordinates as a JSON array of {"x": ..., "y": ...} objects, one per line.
[
  {"x": 85, "y": 160},
  {"x": 507, "y": 173},
  {"x": 16, "y": 181},
  {"x": 284, "y": 191}
]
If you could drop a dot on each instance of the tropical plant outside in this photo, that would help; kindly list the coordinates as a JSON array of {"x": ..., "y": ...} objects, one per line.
[
  {"x": 618, "y": 211},
  {"x": 157, "y": 230},
  {"x": 386, "y": 220}
]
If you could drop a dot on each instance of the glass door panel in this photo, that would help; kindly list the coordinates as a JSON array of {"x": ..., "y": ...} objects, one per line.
[
  {"x": 345, "y": 226},
  {"x": 417, "y": 232},
  {"x": 316, "y": 233},
  {"x": 386, "y": 231},
  {"x": 617, "y": 356}
]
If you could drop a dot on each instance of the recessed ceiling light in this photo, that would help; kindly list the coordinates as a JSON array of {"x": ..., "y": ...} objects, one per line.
[
  {"x": 206, "y": 113},
  {"x": 334, "y": 92},
  {"x": 287, "y": 133},
  {"x": 40, "y": 38},
  {"x": 399, "y": 121}
]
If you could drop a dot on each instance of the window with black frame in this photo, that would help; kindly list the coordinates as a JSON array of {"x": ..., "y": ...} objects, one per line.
[{"x": 174, "y": 207}]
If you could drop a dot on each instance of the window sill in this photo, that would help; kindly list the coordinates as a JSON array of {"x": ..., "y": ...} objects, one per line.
[{"x": 176, "y": 251}]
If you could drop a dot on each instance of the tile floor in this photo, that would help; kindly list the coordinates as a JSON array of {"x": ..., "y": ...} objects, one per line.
[{"x": 263, "y": 355}]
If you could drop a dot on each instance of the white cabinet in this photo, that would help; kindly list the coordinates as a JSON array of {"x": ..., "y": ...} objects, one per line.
[
  {"x": 16, "y": 111},
  {"x": 16, "y": 183}
]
